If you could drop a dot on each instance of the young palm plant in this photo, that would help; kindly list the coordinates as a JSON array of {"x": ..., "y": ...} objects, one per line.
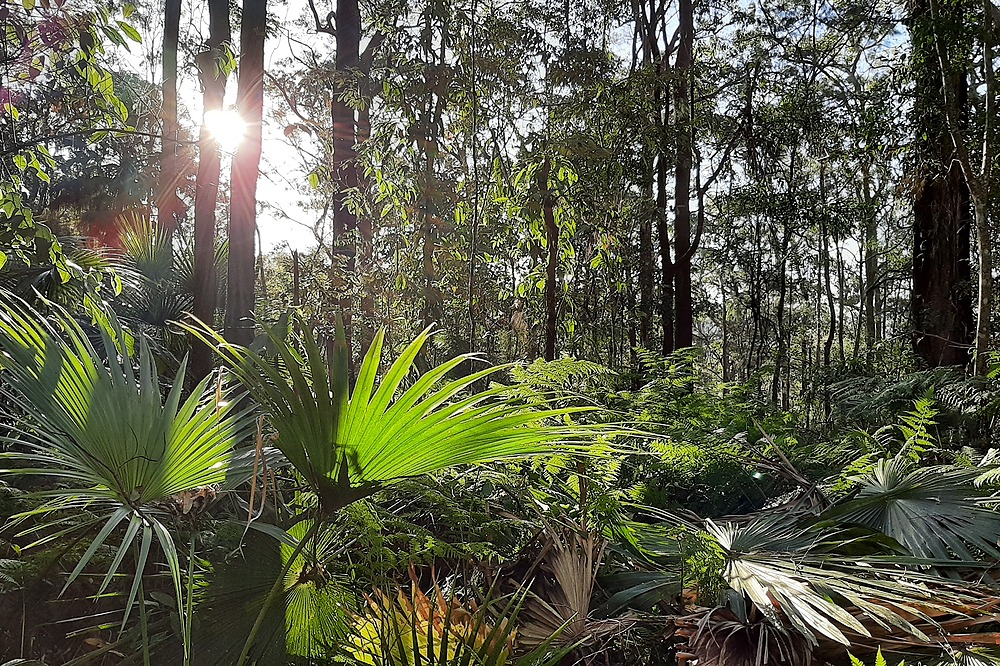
[
  {"x": 348, "y": 443},
  {"x": 99, "y": 423}
]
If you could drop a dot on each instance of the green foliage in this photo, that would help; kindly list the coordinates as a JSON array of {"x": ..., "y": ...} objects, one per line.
[
  {"x": 879, "y": 660},
  {"x": 935, "y": 512},
  {"x": 102, "y": 427},
  {"x": 347, "y": 442}
]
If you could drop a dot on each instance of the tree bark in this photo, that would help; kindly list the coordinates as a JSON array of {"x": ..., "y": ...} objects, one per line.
[
  {"x": 941, "y": 304},
  {"x": 666, "y": 264},
  {"x": 683, "y": 307},
  {"x": 246, "y": 167},
  {"x": 169, "y": 207},
  {"x": 213, "y": 81},
  {"x": 366, "y": 238},
  {"x": 552, "y": 259},
  {"x": 345, "y": 168},
  {"x": 646, "y": 260},
  {"x": 871, "y": 250}
]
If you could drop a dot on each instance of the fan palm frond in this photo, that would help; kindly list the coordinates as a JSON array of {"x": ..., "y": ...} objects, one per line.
[
  {"x": 934, "y": 512},
  {"x": 119, "y": 447},
  {"x": 773, "y": 563},
  {"x": 348, "y": 443}
]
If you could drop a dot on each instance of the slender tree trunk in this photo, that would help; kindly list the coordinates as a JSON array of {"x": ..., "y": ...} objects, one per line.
[
  {"x": 296, "y": 288},
  {"x": 683, "y": 308},
  {"x": 432, "y": 301},
  {"x": 982, "y": 202},
  {"x": 552, "y": 259},
  {"x": 871, "y": 251},
  {"x": 666, "y": 265},
  {"x": 169, "y": 207},
  {"x": 646, "y": 259},
  {"x": 832, "y": 312},
  {"x": 246, "y": 167},
  {"x": 366, "y": 240},
  {"x": 781, "y": 362},
  {"x": 725, "y": 332},
  {"x": 345, "y": 223},
  {"x": 213, "y": 81},
  {"x": 841, "y": 298}
]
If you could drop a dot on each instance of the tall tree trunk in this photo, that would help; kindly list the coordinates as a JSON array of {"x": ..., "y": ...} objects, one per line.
[
  {"x": 683, "y": 308},
  {"x": 646, "y": 259},
  {"x": 552, "y": 259},
  {"x": 213, "y": 82},
  {"x": 666, "y": 264},
  {"x": 169, "y": 207},
  {"x": 941, "y": 304},
  {"x": 366, "y": 239},
  {"x": 246, "y": 167},
  {"x": 871, "y": 251},
  {"x": 982, "y": 199},
  {"x": 432, "y": 299},
  {"x": 345, "y": 168},
  {"x": 726, "y": 375},
  {"x": 832, "y": 312}
]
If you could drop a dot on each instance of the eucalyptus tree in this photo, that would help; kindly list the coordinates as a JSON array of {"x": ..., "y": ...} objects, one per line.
[
  {"x": 169, "y": 207},
  {"x": 246, "y": 163},
  {"x": 942, "y": 312},
  {"x": 213, "y": 67}
]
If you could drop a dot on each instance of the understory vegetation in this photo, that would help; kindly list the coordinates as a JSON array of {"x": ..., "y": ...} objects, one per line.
[
  {"x": 495, "y": 333},
  {"x": 280, "y": 511}
]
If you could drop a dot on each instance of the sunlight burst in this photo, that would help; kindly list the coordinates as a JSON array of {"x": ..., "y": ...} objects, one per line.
[{"x": 227, "y": 127}]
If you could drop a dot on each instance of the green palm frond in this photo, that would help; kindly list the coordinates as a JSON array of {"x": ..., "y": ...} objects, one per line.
[
  {"x": 934, "y": 512},
  {"x": 312, "y": 611},
  {"x": 348, "y": 443},
  {"x": 102, "y": 426}
]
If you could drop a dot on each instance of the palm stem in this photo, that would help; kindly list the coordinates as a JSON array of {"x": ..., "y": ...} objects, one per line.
[
  {"x": 275, "y": 591},
  {"x": 143, "y": 626},
  {"x": 189, "y": 605}
]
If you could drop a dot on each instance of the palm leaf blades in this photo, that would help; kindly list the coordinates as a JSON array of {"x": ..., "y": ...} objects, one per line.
[
  {"x": 933, "y": 512},
  {"x": 99, "y": 421},
  {"x": 348, "y": 442}
]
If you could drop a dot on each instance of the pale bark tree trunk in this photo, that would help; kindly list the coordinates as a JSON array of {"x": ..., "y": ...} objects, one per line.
[
  {"x": 982, "y": 197},
  {"x": 366, "y": 239},
  {"x": 666, "y": 264}
]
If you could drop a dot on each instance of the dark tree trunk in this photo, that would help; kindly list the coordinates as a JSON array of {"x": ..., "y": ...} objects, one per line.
[
  {"x": 646, "y": 260},
  {"x": 683, "y": 308},
  {"x": 169, "y": 207},
  {"x": 345, "y": 168},
  {"x": 666, "y": 265},
  {"x": 213, "y": 81},
  {"x": 246, "y": 166},
  {"x": 871, "y": 249},
  {"x": 941, "y": 303},
  {"x": 552, "y": 259}
]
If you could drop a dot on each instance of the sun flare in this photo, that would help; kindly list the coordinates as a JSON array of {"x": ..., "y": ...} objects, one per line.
[{"x": 226, "y": 127}]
